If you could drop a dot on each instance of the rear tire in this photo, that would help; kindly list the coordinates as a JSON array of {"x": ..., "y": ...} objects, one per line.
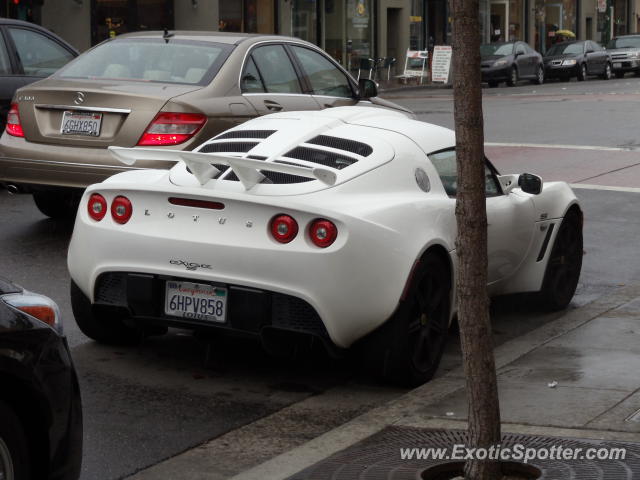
[
  {"x": 57, "y": 205},
  {"x": 564, "y": 264},
  {"x": 407, "y": 349},
  {"x": 14, "y": 452},
  {"x": 539, "y": 80},
  {"x": 103, "y": 326}
]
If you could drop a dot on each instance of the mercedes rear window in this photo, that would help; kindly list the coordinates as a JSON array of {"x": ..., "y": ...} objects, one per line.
[{"x": 150, "y": 60}]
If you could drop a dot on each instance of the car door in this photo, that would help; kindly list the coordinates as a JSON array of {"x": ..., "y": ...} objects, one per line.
[
  {"x": 523, "y": 60},
  {"x": 330, "y": 86},
  {"x": 270, "y": 82},
  {"x": 510, "y": 218},
  {"x": 9, "y": 81},
  {"x": 594, "y": 59}
]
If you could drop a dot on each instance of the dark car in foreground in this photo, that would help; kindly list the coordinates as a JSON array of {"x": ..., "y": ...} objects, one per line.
[
  {"x": 577, "y": 59},
  {"x": 510, "y": 62},
  {"x": 625, "y": 54},
  {"x": 40, "y": 407},
  {"x": 159, "y": 89},
  {"x": 28, "y": 53}
]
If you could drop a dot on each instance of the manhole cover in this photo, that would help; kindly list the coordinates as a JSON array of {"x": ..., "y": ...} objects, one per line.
[{"x": 379, "y": 457}]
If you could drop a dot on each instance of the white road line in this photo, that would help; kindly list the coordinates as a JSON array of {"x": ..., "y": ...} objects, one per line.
[
  {"x": 603, "y": 187},
  {"x": 567, "y": 147}
]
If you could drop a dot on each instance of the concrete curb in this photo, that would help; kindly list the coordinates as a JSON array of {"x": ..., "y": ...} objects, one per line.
[{"x": 406, "y": 407}]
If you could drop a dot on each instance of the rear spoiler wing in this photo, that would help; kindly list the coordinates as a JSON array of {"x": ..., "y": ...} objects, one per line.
[{"x": 201, "y": 165}]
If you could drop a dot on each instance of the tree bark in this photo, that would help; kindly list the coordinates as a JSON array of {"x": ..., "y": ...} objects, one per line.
[{"x": 471, "y": 243}]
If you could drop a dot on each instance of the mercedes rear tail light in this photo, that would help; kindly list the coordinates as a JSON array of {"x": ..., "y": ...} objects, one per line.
[
  {"x": 121, "y": 209},
  {"x": 172, "y": 128},
  {"x": 284, "y": 228},
  {"x": 97, "y": 207},
  {"x": 14, "y": 127},
  {"x": 323, "y": 232}
]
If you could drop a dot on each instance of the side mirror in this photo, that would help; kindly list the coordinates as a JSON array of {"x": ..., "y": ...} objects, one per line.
[
  {"x": 590, "y": 51},
  {"x": 367, "y": 88},
  {"x": 530, "y": 183}
]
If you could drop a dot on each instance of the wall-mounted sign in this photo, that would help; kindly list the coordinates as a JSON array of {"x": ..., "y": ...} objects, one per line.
[{"x": 602, "y": 6}]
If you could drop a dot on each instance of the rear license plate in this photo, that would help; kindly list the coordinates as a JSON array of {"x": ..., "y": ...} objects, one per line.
[
  {"x": 195, "y": 301},
  {"x": 81, "y": 123},
  {"x": 617, "y": 65}
]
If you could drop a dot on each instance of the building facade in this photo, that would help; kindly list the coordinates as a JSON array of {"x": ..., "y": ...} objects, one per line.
[{"x": 350, "y": 30}]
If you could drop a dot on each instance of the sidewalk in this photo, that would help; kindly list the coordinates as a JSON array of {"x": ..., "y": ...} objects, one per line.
[{"x": 592, "y": 352}]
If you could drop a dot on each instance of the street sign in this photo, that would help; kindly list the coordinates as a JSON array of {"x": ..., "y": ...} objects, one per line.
[
  {"x": 602, "y": 6},
  {"x": 441, "y": 63}
]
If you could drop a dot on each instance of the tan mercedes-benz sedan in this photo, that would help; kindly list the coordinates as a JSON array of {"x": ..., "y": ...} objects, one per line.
[{"x": 158, "y": 89}]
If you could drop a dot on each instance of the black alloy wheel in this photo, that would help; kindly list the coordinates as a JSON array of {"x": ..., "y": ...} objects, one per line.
[
  {"x": 513, "y": 77},
  {"x": 57, "y": 205},
  {"x": 14, "y": 453},
  {"x": 407, "y": 349},
  {"x": 607, "y": 72},
  {"x": 582, "y": 72},
  {"x": 565, "y": 263}
]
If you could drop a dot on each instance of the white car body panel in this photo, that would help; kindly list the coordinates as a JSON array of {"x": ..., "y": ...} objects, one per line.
[{"x": 385, "y": 222}]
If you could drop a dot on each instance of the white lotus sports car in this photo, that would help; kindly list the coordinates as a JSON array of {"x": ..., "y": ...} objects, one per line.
[{"x": 336, "y": 225}]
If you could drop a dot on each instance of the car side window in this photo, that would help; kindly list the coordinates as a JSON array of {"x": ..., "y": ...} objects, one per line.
[
  {"x": 40, "y": 56},
  {"x": 5, "y": 64},
  {"x": 325, "y": 77},
  {"x": 276, "y": 69},
  {"x": 520, "y": 49},
  {"x": 251, "y": 81},
  {"x": 445, "y": 164}
]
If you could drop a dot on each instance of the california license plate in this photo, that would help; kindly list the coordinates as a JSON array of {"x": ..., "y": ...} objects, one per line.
[
  {"x": 195, "y": 301},
  {"x": 81, "y": 123},
  {"x": 617, "y": 65}
]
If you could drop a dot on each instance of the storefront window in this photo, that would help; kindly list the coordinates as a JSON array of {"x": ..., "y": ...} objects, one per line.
[
  {"x": 416, "y": 26},
  {"x": 334, "y": 18},
  {"x": 507, "y": 18},
  {"x": 359, "y": 28},
  {"x": 114, "y": 17},
  {"x": 304, "y": 20},
  {"x": 550, "y": 17},
  {"x": 620, "y": 17}
]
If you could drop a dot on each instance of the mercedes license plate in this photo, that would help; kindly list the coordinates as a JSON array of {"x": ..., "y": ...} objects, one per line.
[
  {"x": 195, "y": 301},
  {"x": 81, "y": 123}
]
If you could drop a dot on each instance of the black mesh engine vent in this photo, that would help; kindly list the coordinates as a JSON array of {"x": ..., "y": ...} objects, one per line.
[
  {"x": 247, "y": 134},
  {"x": 322, "y": 157},
  {"x": 228, "y": 147},
  {"x": 352, "y": 146}
]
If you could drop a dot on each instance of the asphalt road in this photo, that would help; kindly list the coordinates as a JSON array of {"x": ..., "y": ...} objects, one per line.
[{"x": 147, "y": 403}]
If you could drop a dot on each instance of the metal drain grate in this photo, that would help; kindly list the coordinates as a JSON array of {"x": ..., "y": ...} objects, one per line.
[{"x": 378, "y": 457}]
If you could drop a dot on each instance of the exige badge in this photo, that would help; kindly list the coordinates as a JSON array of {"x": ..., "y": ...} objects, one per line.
[{"x": 190, "y": 265}]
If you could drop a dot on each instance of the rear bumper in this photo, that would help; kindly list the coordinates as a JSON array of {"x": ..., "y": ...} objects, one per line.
[{"x": 26, "y": 163}]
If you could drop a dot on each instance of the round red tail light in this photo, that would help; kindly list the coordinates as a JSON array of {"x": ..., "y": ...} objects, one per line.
[
  {"x": 284, "y": 228},
  {"x": 121, "y": 209},
  {"x": 97, "y": 207},
  {"x": 323, "y": 232}
]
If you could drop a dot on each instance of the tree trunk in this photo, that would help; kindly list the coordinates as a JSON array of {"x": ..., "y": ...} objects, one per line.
[{"x": 471, "y": 243}]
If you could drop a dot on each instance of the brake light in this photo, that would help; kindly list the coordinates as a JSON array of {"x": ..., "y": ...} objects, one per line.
[
  {"x": 323, "y": 232},
  {"x": 191, "y": 202},
  {"x": 172, "y": 128},
  {"x": 121, "y": 209},
  {"x": 284, "y": 228},
  {"x": 14, "y": 127},
  {"x": 97, "y": 207}
]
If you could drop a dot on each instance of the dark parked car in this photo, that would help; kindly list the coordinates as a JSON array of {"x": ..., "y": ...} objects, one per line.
[
  {"x": 28, "y": 53},
  {"x": 625, "y": 54},
  {"x": 577, "y": 59},
  {"x": 510, "y": 62},
  {"x": 40, "y": 407}
]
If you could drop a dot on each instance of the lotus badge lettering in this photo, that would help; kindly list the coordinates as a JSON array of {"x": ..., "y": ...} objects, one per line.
[{"x": 190, "y": 265}]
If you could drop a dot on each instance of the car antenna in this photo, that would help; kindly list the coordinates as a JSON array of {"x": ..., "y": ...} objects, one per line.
[{"x": 167, "y": 35}]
